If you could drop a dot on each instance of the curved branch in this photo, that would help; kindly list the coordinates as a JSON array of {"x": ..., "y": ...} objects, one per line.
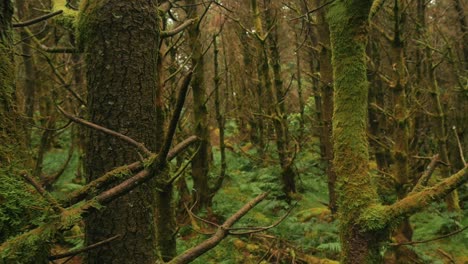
[{"x": 431, "y": 239}]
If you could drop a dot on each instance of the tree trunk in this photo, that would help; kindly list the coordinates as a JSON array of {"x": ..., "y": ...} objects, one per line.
[
  {"x": 348, "y": 22},
  {"x": 202, "y": 160},
  {"x": 279, "y": 113},
  {"x": 326, "y": 88},
  {"x": 121, "y": 44}
]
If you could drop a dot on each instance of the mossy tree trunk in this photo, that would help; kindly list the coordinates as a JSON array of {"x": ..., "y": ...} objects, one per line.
[
  {"x": 11, "y": 136},
  {"x": 121, "y": 45},
  {"x": 348, "y": 22}
]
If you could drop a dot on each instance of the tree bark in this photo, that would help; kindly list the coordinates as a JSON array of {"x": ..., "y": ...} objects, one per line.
[{"x": 121, "y": 44}]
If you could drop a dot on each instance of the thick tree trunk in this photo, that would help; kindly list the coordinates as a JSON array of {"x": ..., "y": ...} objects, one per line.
[
  {"x": 348, "y": 22},
  {"x": 121, "y": 44}
]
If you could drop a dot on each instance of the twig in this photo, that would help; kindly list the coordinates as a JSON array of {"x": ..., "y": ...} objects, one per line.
[
  {"x": 37, "y": 19},
  {"x": 251, "y": 230},
  {"x": 447, "y": 255},
  {"x": 223, "y": 230},
  {"x": 429, "y": 240},
  {"x": 460, "y": 148},
  {"x": 90, "y": 247},
  {"x": 127, "y": 139},
  {"x": 182, "y": 169},
  {"x": 313, "y": 10}
]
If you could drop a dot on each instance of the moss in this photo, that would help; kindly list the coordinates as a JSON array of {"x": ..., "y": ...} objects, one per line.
[
  {"x": 68, "y": 18},
  {"x": 84, "y": 18},
  {"x": 374, "y": 218}
]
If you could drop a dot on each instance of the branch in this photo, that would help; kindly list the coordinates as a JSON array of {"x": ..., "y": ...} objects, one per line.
[
  {"x": 172, "y": 32},
  {"x": 460, "y": 148},
  {"x": 37, "y": 19},
  {"x": 429, "y": 240},
  {"x": 198, "y": 250},
  {"x": 117, "y": 174},
  {"x": 127, "y": 139},
  {"x": 313, "y": 10},
  {"x": 420, "y": 200},
  {"x": 49, "y": 198},
  {"x": 426, "y": 175},
  {"x": 175, "y": 118},
  {"x": 251, "y": 230},
  {"x": 90, "y": 247}
]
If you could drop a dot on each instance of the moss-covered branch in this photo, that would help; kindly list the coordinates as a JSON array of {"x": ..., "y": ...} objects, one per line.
[{"x": 420, "y": 200}]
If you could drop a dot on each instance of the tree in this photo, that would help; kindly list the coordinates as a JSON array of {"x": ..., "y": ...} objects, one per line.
[
  {"x": 364, "y": 221},
  {"x": 121, "y": 45}
]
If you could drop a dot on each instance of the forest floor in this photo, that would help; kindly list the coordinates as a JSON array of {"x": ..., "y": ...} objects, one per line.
[{"x": 307, "y": 235}]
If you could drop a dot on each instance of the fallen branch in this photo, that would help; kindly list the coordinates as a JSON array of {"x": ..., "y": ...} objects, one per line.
[{"x": 223, "y": 230}]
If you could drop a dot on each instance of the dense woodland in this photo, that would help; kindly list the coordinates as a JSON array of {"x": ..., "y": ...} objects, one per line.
[{"x": 224, "y": 131}]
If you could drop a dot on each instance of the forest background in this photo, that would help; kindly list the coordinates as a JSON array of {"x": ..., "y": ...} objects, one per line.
[{"x": 142, "y": 131}]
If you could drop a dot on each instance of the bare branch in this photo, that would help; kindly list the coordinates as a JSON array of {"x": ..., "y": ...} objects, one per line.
[
  {"x": 175, "y": 118},
  {"x": 426, "y": 175},
  {"x": 223, "y": 230},
  {"x": 37, "y": 19},
  {"x": 127, "y": 139},
  {"x": 460, "y": 148},
  {"x": 429, "y": 240},
  {"x": 81, "y": 250},
  {"x": 181, "y": 27}
]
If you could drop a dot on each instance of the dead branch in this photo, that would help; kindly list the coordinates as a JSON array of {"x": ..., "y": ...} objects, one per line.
[
  {"x": 251, "y": 230},
  {"x": 223, "y": 230}
]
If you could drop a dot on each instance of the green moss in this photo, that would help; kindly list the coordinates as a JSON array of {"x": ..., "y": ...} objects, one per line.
[
  {"x": 374, "y": 218},
  {"x": 68, "y": 18}
]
